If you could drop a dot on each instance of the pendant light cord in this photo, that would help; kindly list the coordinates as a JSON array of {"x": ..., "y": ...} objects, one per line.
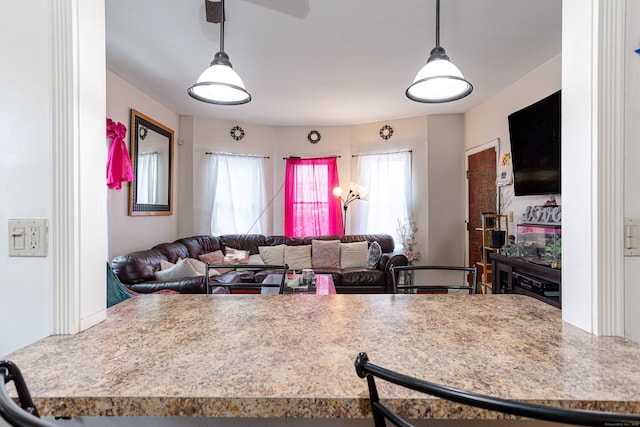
[
  {"x": 437, "y": 23},
  {"x": 222, "y": 18}
]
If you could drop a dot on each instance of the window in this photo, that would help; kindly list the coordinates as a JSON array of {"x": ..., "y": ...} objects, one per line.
[
  {"x": 387, "y": 177},
  {"x": 235, "y": 192},
  {"x": 311, "y": 209}
]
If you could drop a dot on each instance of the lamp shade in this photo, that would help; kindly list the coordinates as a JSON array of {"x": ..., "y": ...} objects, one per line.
[
  {"x": 220, "y": 84},
  {"x": 439, "y": 80}
]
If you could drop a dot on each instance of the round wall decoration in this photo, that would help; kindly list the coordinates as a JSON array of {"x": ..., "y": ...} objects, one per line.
[
  {"x": 314, "y": 136},
  {"x": 237, "y": 133},
  {"x": 386, "y": 131},
  {"x": 143, "y": 132}
]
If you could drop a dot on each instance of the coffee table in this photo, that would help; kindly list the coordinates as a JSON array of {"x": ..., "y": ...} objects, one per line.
[{"x": 324, "y": 286}]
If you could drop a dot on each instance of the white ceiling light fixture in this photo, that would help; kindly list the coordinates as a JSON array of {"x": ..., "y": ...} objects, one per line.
[
  {"x": 220, "y": 84},
  {"x": 439, "y": 80}
]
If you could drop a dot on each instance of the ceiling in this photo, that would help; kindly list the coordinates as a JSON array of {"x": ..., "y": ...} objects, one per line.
[{"x": 327, "y": 62}]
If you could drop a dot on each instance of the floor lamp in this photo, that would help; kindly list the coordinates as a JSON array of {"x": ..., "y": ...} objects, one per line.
[{"x": 356, "y": 192}]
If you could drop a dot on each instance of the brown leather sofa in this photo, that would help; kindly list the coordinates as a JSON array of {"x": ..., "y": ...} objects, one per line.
[{"x": 136, "y": 270}]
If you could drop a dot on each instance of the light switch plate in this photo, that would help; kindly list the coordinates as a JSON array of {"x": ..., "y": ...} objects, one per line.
[
  {"x": 632, "y": 237},
  {"x": 28, "y": 237}
]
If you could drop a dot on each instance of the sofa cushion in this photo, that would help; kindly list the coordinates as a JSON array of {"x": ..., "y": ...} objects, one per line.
[
  {"x": 198, "y": 245},
  {"x": 297, "y": 257},
  {"x": 247, "y": 242},
  {"x": 180, "y": 270},
  {"x": 375, "y": 252},
  {"x": 325, "y": 253},
  {"x": 353, "y": 254},
  {"x": 215, "y": 258},
  {"x": 272, "y": 255},
  {"x": 172, "y": 251}
]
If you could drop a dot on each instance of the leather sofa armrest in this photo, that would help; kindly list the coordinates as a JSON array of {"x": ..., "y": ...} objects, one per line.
[
  {"x": 386, "y": 261},
  {"x": 187, "y": 285}
]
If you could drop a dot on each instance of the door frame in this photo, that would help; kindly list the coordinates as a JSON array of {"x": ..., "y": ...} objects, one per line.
[{"x": 495, "y": 144}]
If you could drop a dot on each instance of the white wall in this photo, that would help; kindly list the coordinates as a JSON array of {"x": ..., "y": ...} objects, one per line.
[
  {"x": 488, "y": 121},
  {"x": 632, "y": 159},
  {"x": 130, "y": 233},
  {"x": 446, "y": 183},
  {"x": 440, "y": 231},
  {"x": 25, "y": 168},
  {"x": 52, "y": 107}
]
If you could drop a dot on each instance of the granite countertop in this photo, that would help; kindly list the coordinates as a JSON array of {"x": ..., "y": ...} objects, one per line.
[{"x": 293, "y": 356}]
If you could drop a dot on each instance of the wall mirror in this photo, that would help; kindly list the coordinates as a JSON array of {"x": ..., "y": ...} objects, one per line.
[{"x": 152, "y": 160}]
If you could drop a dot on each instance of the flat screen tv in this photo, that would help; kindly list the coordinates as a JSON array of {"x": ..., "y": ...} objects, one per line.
[{"x": 535, "y": 147}]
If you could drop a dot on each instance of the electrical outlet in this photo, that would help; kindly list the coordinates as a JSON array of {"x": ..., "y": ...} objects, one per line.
[{"x": 28, "y": 237}]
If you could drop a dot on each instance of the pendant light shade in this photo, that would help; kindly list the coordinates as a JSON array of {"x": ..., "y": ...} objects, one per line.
[
  {"x": 439, "y": 80},
  {"x": 220, "y": 84}
]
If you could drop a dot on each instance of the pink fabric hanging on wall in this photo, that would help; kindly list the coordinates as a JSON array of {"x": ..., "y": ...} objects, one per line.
[{"x": 118, "y": 164}]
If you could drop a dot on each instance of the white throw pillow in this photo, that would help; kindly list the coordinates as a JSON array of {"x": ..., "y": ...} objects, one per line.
[
  {"x": 254, "y": 259},
  {"x": 181, "y": 270},
  {"x": 201, "y": 267},
  {"x": 297, "y": 257},
  {"x": 354, "y": 255},
  {"x": 272, "y": 255}
]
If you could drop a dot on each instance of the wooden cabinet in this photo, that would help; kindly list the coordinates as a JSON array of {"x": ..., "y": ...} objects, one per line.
[
  {"x": 516, "y": 275},
  {"x": 490, "y": 223}
]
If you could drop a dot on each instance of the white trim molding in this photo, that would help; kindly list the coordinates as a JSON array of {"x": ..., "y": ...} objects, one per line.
[
  {"x": 64, "y": 230},
  {"x": 610, "y": 168}
]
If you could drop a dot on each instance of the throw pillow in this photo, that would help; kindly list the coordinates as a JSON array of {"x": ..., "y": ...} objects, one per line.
[
  {"x": 215, "y": 258},
  {"x": 375, "y": 252},
  {"x": 201, "y": 268},
  {"x": 254, "y": 259},
  {"x": 354, "y": 255},
  {"x": 297, "y": 257},
  {"x": 164, "y": 265},
  {"x": 181, "y": 270},
  {"x": 235, "y": 256},
  {"x": 325, "y": 253},
  {"x": 272, "y": 255},
  {"x": 212, "y": 257}
]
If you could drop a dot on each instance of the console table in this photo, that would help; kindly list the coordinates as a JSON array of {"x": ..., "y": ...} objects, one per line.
[{"x": 509, "y": 271}]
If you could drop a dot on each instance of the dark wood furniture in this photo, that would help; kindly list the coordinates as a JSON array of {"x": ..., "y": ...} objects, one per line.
[{"x": 514, "y": 275}]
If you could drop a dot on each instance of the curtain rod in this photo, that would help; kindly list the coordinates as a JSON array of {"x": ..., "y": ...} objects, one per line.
[
  {"x": 386, "y": 152},
  {"x": 240, "y": 155},
  {"x": 307, "y": 158}
]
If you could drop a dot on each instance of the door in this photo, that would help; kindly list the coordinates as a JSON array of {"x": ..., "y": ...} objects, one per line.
[{"x": 481, "y": 195}]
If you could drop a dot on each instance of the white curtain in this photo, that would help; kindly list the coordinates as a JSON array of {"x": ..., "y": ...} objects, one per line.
[
  {"x": 235, "y": 194},
  {"x": 147, "y": 187},
  {"x": 387, "y": 177}
]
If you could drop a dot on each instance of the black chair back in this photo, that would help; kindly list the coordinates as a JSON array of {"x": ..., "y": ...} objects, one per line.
[
  {"x": 381, "y": 412},
  {"x": 26, "y": 414}
]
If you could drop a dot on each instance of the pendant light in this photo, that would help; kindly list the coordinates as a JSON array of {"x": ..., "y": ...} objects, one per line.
[
  {"x": 439, "y": 80},
  {"x": 220, "y": 84}
]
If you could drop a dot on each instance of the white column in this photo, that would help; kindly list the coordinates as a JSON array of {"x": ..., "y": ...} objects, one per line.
[
  {"x": 79, "y": 221},
  {"x": 592, "y": 163}
]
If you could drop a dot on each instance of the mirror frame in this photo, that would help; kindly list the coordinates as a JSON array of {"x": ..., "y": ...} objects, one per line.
[{"x": 143, "y": 209}]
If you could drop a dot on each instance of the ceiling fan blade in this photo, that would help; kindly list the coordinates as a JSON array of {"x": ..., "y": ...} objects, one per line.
[
  {"x": 213, "y": 11},
  {"x": 297, "y": 8}
]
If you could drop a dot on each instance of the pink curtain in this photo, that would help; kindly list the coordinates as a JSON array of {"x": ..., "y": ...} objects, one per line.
[
  {"x": 118, "y": 163},
  {"x": 310, "y": 208}
]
